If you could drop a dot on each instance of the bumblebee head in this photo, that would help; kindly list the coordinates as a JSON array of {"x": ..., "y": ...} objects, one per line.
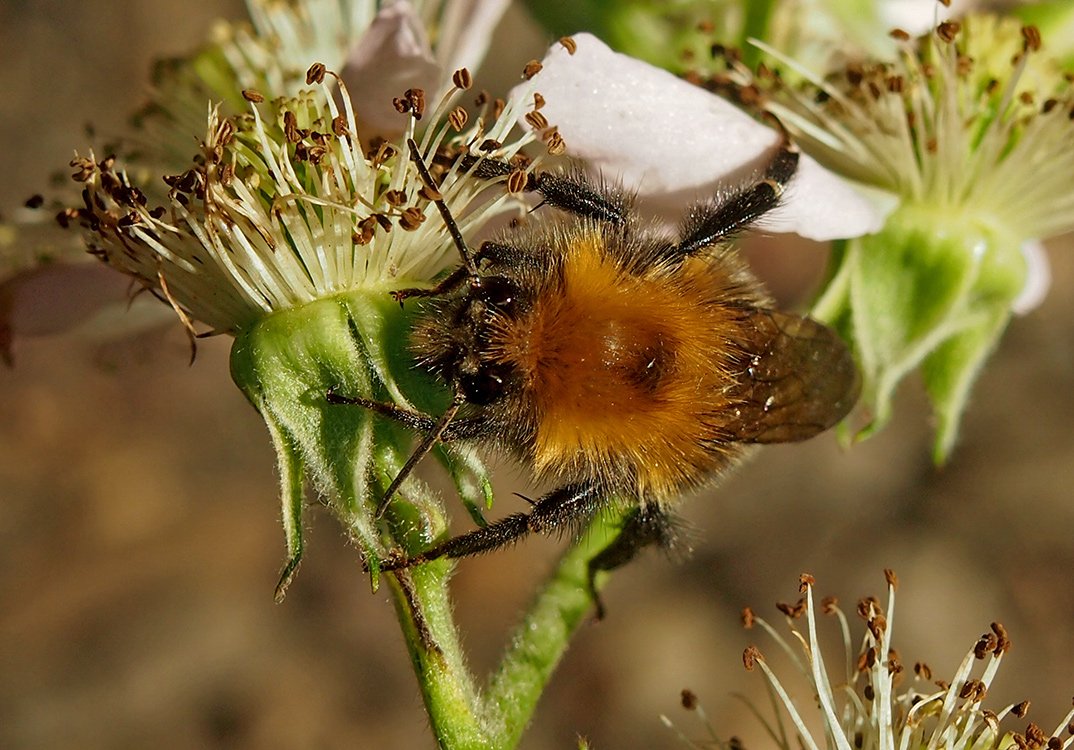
[{"x": 456, "y": 338}]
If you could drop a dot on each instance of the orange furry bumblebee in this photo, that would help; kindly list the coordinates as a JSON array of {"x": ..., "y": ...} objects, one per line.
[{"x": 616, "y": 361}]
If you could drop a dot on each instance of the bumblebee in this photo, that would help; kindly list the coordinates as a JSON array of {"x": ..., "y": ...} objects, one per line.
[{"x": 618, "y": 362}]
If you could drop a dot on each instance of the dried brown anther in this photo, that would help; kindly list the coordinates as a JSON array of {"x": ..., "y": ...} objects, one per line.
[
  {"x": 291, "y": 131},
  {"x": 948, "y": 31},
  {"x": 462, "y": 79},
  {"x": 411, "y": 219},
  {"x": 315, "y": 73},
  {"x": 430, "y": 193},
  {"x": 556, "y": 145},
  {"x": 517, "y": 181},
  {"x": 536, "y": 120},
  {"x": 458, "y": 119},
  {"x": 750, "y": 657},
  {"x": 1030, "y": 38}
]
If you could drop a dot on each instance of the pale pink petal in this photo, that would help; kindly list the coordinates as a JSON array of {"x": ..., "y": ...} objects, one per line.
[
  {"x": 393, "y": 55},
  {"x": 674, "y": 143},
  {"x": 1038, "y": 278},
  {"x": 465, "y": 33}
]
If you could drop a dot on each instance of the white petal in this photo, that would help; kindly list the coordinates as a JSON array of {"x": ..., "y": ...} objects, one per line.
[
  {"x": 674, "y": 143},
  {"x": 465, "y": 33},
  {"x": 1038, "y": 278},
  {"x": 918, "y": 17},
  {"x": 393, "y": 55}
]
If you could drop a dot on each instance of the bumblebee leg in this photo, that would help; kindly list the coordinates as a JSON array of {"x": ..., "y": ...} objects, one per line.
[
  {"x": 555, "y": 511},
  {"x": 647, "y": 524},
  {"x": 579, "y": 197},
  {"x": 710, "y": 223},
  {"x": 574, "y": 195},
  {"x": 459, "y": 429},
  {"x": 415, "y": 420},
  {"x": 451, "y": 282}
]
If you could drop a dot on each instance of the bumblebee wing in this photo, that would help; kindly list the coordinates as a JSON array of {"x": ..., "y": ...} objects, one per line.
[{"x": 799, "y": 381}]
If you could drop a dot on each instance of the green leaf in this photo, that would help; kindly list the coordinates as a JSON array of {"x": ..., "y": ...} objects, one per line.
[{"x": 354, "y": 344}]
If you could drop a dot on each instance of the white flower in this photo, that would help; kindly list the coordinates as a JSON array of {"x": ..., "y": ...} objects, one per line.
[
  {"x": 868, "y": 701},
  {"x": 288, "y": 206},
  {"x": 675, "y": 143},
  {"x": 395, "y": 53},
  {"x": 271, "y": 57},
  {"x": 971, "y": 123}
]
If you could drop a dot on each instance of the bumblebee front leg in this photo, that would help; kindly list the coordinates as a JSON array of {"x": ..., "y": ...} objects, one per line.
[
  {"x": 450, "y": 282},
  {"x": 568, "y": 506}
]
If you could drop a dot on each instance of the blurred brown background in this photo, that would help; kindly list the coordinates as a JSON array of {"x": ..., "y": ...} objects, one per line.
[{"x": 139, "y": 538}]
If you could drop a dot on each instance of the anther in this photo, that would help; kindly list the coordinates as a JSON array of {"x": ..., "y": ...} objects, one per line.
[
  {"x": 315, "y": 73},
  {"x": 458, "y": 119},
  {"x": 462, "y": 79}
]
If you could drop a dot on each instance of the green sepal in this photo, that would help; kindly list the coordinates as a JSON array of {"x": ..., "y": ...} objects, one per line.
[
  {"x": 354, "y": 344},
  {"x": 950, "y": 371},
  {"x": 929, "y": 291}
]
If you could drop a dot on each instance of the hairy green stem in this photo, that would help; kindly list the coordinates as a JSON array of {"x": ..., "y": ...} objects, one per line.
[{"x": 461, "y": 716}]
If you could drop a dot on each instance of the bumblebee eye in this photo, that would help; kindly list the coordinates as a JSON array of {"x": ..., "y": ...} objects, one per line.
[
  {"x": 498, "y": 292},
  {"x": 486, "y": 385}
]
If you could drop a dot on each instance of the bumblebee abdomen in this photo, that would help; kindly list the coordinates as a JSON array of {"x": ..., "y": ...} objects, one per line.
[{"x": 626, "y": 372}]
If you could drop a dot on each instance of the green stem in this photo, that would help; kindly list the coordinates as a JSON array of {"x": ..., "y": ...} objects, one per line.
[
  {"x": 460, "y": 715},
  {"x": 541, "y": 637},
  {"x": 423, "y": 606}
]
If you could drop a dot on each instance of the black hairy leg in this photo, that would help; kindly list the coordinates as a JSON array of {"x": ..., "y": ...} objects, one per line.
[
  {"x": 574, "y": 195},
  {"x": 559, "y": 510},
  {"x": 646, "y": 525},
  {"x": 466, "y": 428},
  {"x": 711, "y": 223}
]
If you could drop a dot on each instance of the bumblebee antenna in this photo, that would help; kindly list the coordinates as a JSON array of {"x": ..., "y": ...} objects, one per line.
[
  {"x": 420, "y": 452},
  {"x": 438, "y": 199}
]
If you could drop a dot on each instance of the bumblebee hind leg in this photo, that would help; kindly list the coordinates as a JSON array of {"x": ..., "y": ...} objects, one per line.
[
  {"x": 646, "y": 524},
  {"x": 560, "y": 509}
]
